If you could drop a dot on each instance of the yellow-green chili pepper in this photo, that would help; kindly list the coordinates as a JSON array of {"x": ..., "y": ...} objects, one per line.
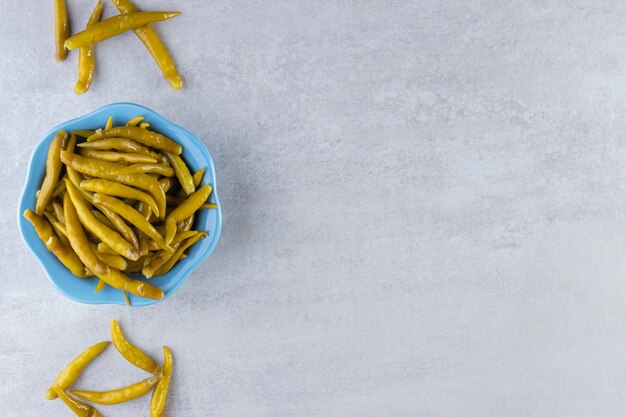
[
  {"x": 64, "y": 253},
  {"x": 114, "y": 260},
  {"x": 73, "y": 369},
  {"x": 146, "y": 212},
  {"x": 109, "y": 123},
  {"x": 186, "y": 224},
  {"x": 136, "y": 119},
  {"x": 111, "y": 276},
  {"x": 125, "y": 230},
  {"x": 116, "y": 189},
  {"x": 79, "y": 408},
  {"x": 161, "y": 169},
  {"x": 154, "y": 45},
  {"x": 119, "y": 395},
  {"x": 58, "y": 209},
  {"x": 114, "y": 26},
  {"x": 58, "y": 227},
  {"x": 102, "y": 232},
  {"x": 186, "y": 209},
  {"x": 100, "y": 286},
  {"x": 197, "y": 177},
  {"x": 98, "y": 215},
  {"x": 61, "y": 28},
  {"x": 133, "y": 216},
  {"x": 110, "y": 171},
  {"x": 182, "y": 172},
  {"x": 159, "y": 395},
  {"x": 179, "y": 252},
  {"x": 59, "y": 189},
  {"x": 132, "y": 353},
  {"x": 124, "y": 145},
  {"x": 133, "y": 158},
  {"x": 83, "y": 134},
  {"x": 53, "y": 170},
  {"x": 167, "y": 184},
  {"x": 143, "y": 136},
  {"x": 86, "y": 65}
]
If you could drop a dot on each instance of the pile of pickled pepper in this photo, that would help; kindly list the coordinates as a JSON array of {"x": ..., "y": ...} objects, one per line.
[
  {"x": 158, "y": 383},
  {"x": 108, "y": 219},
  {"x": 96, "y": 31}
]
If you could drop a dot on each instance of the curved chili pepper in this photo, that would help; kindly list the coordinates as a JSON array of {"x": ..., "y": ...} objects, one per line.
[
  {"x": 110, "y": 171},
  {"x": 179, "y": 252},
  {"x": 83, "y": 134},
  {"x": 182, "y": 172},
  {"x": 115, "y": 25},
  {"x": 64, "y": 253},
  {"x": 197, "y": 177},
  {"x": 100, "y": 286},
  {"x": 98, "y": 215},
  {"x": 86, "y": 67},
  {"x": 102, "y": 232},
  {"x": 186, "y": 209},
  {"x": 133, "y": 216},
  {"x": 58, "y": 227},
  {"x": 109, "y": 123},
  {"x": 73, "y": 369},
  {"x": 161, "y": 169},
  {"x": 116, "y": 189},
  {"x": 58, "y": 209},
  {"x": 159, "y": 395},
  {"x": 113, "y": 260},
  {"x": 143, "y": 136},
  {"x": 79, "y": 408},
  {"x": 167, "y": 183},
  {"x": 133, "y": 158},
  {"x": 53, "y": 170},
  {"x": 118, "y": 395},
  {"x": 125, "y": 145},
  {"x": 59, "y": 189},
  {"x": 61, "y": 28},
  {"x": 132, "y": 353},
  {"x": 154, "y": 45},
  {"x": 137, "y": 119},
  {"x": 112, "y": 276},
  {"x": 125, "y": 230}
]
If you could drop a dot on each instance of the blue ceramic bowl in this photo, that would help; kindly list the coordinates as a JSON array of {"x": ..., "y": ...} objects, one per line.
[{"x": 195, "y": 154}]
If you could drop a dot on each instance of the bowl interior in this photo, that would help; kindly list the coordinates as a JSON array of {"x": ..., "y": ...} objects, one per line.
[{"x": 195, "y": 155}]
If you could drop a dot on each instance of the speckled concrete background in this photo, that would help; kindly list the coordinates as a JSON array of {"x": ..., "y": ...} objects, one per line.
[{"x": 424, "y": 209}]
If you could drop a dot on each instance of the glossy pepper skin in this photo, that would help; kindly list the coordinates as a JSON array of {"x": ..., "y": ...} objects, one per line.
[
  {"x": 115, "y": 25},
  {"x": 73, "y": 369},
  {"x": 113, "y": 277},
  {"x": 179, "y": 253},
  {"x": 104, "y": 233},
  {"x": 132, "y": 353},
  {"x": 53, "y": 170},
  {"x": 79, "y": 408},
  {"x": 61, "y": 29},
  {"x": 133, "y": 158},
  {"x": 182, "y": 173},
  {"x": 143, "y": 136},
  {"x": 86, "y": 67},
  {"x": 186, "y": 209},
  {"x": 154, "y": 45},
  {"x": 64, "y": 253},
  {"x": 116, "y": 189},
  {"x": 159, "y": 395},
  {"x": 110, "y": 171},
  {"x": 119, "y": 395},
  {"x": 161, "y": 169},
  {"x": 124, "y": 145},
  {"x": 133, "y": 217}
]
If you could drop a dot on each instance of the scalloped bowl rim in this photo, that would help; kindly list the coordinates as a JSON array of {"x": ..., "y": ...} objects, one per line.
[{"x": 82, "y": 290}]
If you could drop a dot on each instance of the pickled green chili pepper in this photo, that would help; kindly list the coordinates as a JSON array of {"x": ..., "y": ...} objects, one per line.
[
  {"x": 86, "y": 67},
  {"x": 73, "y": 369},
  {"x": 154, "y": 45},
  {"x": 61, "y": 28},
  {"x": 133, "y": 158},
  {"x": 186, "y": 209},
  {"x": 116, "y": 189},
  {"x": 182, "y": 172},
  {"x": 53, "y": 170},
  {"x": 132, "y": 353},
  {"x": 161, "y": 169},
  {"x": 115, "y": 25},
  {"x": 124, "y": 145},
  {"x": 64, "y": 253},
  {"x": 133, "y": 216},
  {"x": 159, "y": 395},
  {"x": 119, "y": 395},
  {"x": 179, "y": 252},
  {"x": 143, "y": 136},
  {"x": 79, "y": 408}
]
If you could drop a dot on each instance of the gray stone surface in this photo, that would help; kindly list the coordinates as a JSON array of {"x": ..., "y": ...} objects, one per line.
[{"x": 423, "y": 209}]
